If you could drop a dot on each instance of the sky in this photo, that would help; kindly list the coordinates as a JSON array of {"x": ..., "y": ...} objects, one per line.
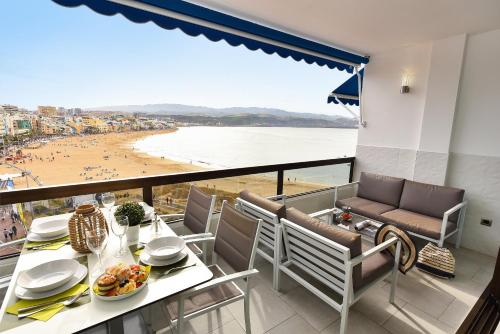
[{"x": 73, "y": 57}]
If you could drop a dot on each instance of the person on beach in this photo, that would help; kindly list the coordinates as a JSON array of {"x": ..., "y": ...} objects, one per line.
[
  {"x": 11, "y": 234},
  {"x": 5, "y": 234},
  {"x": 14, "y": 230}
]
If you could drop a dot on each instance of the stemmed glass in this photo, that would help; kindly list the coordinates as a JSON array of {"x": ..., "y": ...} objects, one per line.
[
  {"x": 96, "y": 240},
  {"x": 108, "y": 200},
  {"x": 119, "y": 228}
]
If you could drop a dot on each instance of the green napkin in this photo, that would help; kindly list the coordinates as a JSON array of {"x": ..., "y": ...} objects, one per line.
[
  {"x": 50, "y": 312},
  {"x": 53, "y": 244}
]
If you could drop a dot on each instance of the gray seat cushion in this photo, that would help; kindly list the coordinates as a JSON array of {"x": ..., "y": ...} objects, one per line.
[
  {"x": 264, "y": 203},
  {"x": 206, "y": 298},
  {"x": 374, "y": 267},
  {"x": 417, "y": 223},
  {"x": 430, "y": 200},
  {"x": 365, "y": 207},
  {"x": 380, "y": 188}
]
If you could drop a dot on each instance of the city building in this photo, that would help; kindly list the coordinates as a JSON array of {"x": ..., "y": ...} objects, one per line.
[{"x": 47, "y": 111}]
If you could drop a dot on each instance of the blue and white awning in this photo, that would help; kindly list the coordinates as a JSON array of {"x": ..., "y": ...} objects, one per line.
[
  {"x": 348, "y": 92},
  {"x": 196, "y": 20}
]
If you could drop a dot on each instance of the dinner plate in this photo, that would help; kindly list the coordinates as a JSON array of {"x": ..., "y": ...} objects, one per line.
[
  {"x": 37, "y": 238},
  {"x": 165, "y": 248},
  {"x": 48, "y": 275},
  {"x": 77, "y": 277},
  {"x": 49, "y": 228},
  {"x": 120, "y": 297},
  {"x": 147, "y": 259}
]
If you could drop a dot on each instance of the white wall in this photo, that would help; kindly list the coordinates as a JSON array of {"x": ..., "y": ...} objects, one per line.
[
  {"x": 475, "y": 148},
  {"x": 394, "y": 119}
]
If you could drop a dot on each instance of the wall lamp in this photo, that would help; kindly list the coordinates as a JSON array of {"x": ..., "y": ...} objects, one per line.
[{"x": 405, "y": 84}]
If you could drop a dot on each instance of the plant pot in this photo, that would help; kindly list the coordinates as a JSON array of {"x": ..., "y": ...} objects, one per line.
[{"x": 133, "y": 234}]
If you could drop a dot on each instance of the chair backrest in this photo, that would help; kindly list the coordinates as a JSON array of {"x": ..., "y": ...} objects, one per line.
[
  {"x": 322, "y": 250},
  {"x": 199, "y": 210},
  {"x": 430, "y": 199},
  {"x": 381, "y": 188},
  {"x": 259, "y": 207},
  {"x": 236, "y": 238}
]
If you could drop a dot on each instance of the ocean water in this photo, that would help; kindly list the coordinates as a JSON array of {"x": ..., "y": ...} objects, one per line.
[{"x": 225, "y": 147}]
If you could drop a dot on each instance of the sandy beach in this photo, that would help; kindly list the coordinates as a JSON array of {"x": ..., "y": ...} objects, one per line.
[{"x": 111, "y": 156}]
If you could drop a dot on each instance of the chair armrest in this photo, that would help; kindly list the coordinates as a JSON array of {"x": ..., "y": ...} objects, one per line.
[
  {"x": 201, "y": 237},
  {"x": 326, "y": 212},
  {"x": 281, "y": 197},
  {"x": 172, "y": 218},
  {"x": 352, "y": 184},
  {"x": 372, "y": 251},
  {"x": 220, "y": 280},
  {"x": 454, "y": 209}
]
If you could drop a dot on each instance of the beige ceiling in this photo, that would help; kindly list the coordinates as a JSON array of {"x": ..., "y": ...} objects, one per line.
[{"x": 368, "y": 26}]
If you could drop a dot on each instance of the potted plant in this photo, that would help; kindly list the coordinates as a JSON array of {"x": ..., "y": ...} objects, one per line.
[{"x": 135, "y": 214}]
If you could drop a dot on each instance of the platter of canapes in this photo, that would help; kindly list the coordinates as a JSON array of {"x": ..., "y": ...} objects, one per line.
[{"x": 121, "y": 281}]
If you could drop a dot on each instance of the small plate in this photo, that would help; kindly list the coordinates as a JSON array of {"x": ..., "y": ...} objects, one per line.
[
  {"x": 119, "y": 297},
  {"x": 77, "y": 277},
  {"x": 48, "y": 275},
  {"x": 37, "y": 238},
  {"x": 50, "y": 228},
  {"x": 147, "y": 259},
  {"x": 165, "y": 248}
]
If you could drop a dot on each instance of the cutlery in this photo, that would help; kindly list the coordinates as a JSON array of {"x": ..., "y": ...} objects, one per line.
[
  {"x": 45, "y": 245},
  {"x": 177, "y": 268},
  {"x": 64, "y": 303},
  {"x": 34, "y": 307}
]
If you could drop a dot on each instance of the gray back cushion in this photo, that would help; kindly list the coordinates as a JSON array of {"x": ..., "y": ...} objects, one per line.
[
  {"x": 380, "y": 188},
  {"x": 430, "y": 200},
  {"x": 197, "y": 210},
  {"x": 274, "y": 207},
  {"x": 235, "y": 237}
]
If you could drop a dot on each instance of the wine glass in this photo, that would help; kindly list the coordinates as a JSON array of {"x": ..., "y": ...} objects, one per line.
[
  {"x": 96, "y": 240},
  {"x": 119, "y": 228},
  {"x": 108, "y": 200}
]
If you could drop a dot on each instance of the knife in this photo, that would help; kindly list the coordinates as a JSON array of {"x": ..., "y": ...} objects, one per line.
[{"x": 34, "y": 307}]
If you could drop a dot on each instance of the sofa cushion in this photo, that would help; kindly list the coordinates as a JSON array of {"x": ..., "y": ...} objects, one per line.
[
  {"x": 430, "y": 200},
  {"x": 264, "y": 203},
  {"x": 346, "y": 238},
  {"x": 365, "y": 207},
  {"x": 374, "y": 267},
  {"x": 380, "y": 188},
  {"x": 417, "y": 223}
]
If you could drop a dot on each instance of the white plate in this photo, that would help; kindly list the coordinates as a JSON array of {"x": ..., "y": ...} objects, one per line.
[
  {"x": 77, "y": 277},
  {"x": 120, "y": 297},
  {"x": 37, "y": 238},
  {"x": 148, "y": 260},
  {"x": 165, "y": 248},
  {"x": 50, "y": 228},
  {"x": 48, "y": 275}
]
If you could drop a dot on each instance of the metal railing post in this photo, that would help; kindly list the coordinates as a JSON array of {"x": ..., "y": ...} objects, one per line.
[
  {"x": 279, "y": 188},
  {"x": 147, "y": 195},
  {"x": 351, "y": 171}
]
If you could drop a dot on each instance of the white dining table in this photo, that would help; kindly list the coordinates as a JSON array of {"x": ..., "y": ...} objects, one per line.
[{"x": 97, "y": 311}]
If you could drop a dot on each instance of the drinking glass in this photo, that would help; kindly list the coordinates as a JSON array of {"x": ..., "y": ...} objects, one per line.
[
  {"x": 108, "y": 200},
  {"x": 119, "y": 228},
  {"x": 96, "y": 240}
]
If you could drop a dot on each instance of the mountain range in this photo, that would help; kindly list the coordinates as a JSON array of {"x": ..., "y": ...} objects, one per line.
[{"x": 239, "y": 116}]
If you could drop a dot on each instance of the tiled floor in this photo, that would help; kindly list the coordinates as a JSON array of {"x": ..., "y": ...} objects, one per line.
[{"x": 424, "y": 304}]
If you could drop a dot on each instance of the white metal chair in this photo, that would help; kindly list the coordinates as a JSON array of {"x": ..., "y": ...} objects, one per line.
[
  {"x": 333, "y": 257},
  {"x": 197, "y": 217},
  {"x": 270, "y": 213},
  {"x": 236, "y": 243}
]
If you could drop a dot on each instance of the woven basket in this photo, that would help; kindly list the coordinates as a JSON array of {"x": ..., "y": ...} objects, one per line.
[
  {"x": 436, "y": 261},
  {"x": 86, "y": 217}
]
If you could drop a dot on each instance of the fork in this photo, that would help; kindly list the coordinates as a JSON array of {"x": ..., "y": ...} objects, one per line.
[
  {"x": 45, "y": 245},
  {"x": 64, "y": 303},
  {"x": 177, "y": 268}
]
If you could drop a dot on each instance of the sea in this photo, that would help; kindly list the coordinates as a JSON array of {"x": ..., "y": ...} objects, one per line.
[{"x": 226, "y": 147}]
